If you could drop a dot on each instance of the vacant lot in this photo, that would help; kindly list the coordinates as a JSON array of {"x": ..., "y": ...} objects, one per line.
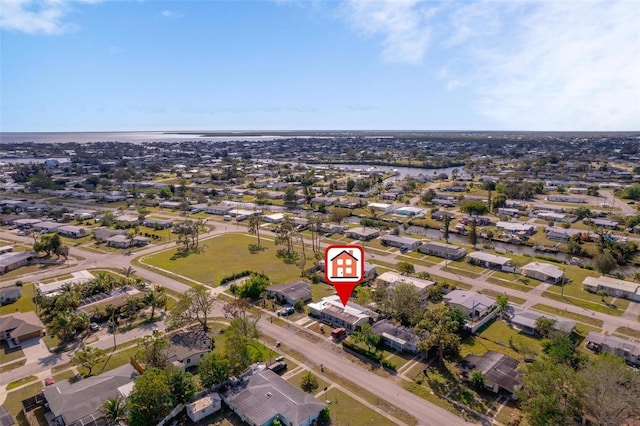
[{"x": 226, "y": 255}]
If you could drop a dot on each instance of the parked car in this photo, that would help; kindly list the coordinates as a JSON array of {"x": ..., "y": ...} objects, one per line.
[
  {"x": 49, "y": 381},
  {"x": 286, "y": 311},
  {"x": 94, "y": 326},
  {"x": 21, "y": 233}
]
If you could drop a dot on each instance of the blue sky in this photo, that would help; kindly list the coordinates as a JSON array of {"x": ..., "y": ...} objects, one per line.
[{"x": 90, "y": 65}]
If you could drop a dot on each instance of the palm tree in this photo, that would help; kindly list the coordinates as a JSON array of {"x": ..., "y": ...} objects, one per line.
[
  {"x": 156, "y": 298},
  {"x": 128, "y": 271},
  {"x": 114, "y": 410}
]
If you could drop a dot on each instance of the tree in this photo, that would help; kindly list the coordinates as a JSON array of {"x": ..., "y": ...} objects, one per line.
[
  {"x": 368, "y": 337},
  {"x": 477, "y": 379},
  {"x": 339, "y": 214},
  {"x": 289, "y": 198},
  {"x": 445, "y": 229},
  {"x": 241, "y": 333},
  {"x": 405, "y": 268},
  {"x": 442, "y": 325},
  {"x": 196, "y": 304},
  {"x": 474, "y": 208},
  {"x": 609, "y": 391},
  {"x": 285, "y": 234},
  {"x": 544, "y": 326},
  {"x": 604, "y": 262},
  {"x": 499, "y": 201},
  {"x": 502, "y": 301},
  {"x": 253, "y": 287},
  {"x": 547, "y": 396},
  {"x": 114, "y": 410},
  {"x": 165, "y": 193},
  {"x": 150, "y": 400},
  {"x": 213, "y": 369},
  {"x": 188, "y": 233},
  {"x": 309, "y": 382},
  {"x": 154, "y": 351},
  {"x": 181, "y": 386},
  {"x": 88, "y": 357},
  {"x": 473, "y": 233},
  {"x": 603, "y": 294},
  {"x": 254, "y": 227},
  {"x": 128, "y": 272},
  {"x": 402, "y": 303},
  {"x": 427, "y": 196}
]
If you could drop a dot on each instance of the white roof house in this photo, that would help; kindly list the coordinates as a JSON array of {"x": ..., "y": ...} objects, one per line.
[
  {"x": 488, "y": 260},
  {"x": 614, "y": 287},
  {"x": 515, "y": 227},
  {"x": 394, "y": 278},
  {"x": 543, "y": 272},
  {"x": 330, "y": 310},
  {"x": 473, "y": 304}
]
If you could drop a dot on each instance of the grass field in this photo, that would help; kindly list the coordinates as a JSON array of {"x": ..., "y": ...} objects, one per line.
[
  {"x": 635, "y": 333},
  {"x": 499, "y": 332},
  {"x": 576, "y": 317},
  {"x": 495, "y": 294},
  {"x": 297, "y": 382},
  {"x": 616, "y": 308},
  {"x": 223, "y": 256},
  {"x": 9, "y": 355},
  {"x": 20, "y": 382},
  {"x": 13, "y": 402},
  {"x": 344, "y": 410},
  {"x": 514, "y": 285}
]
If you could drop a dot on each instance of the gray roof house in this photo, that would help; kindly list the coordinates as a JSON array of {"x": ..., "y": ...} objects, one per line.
[
  {"x": 80, "y": 403},
  {"x": 543, "y": 271},
  {"x": 447, "y": 251},
  {"x": 474, "y": 305},
  {"x": 265, "y": 396},
  {"x": 400, "y": 242},
  {"x": 396, "y": 336},
  {"x": 525, "y": 321},
  {"x": 187, "y": 348},
  {"x": 290, "y": 292},
  {"x": 626, "y": 349},
  {"x": 499, "y": 371}
]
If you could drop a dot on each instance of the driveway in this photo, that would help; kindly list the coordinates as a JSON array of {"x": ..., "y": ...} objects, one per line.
[{"x": 34, "y": 350}]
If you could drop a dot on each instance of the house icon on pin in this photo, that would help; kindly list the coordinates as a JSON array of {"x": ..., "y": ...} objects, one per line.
[{"x": 345, "y": 265}]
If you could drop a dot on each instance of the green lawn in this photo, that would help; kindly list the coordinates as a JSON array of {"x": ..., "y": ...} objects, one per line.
[
  {"x": 345, "y": 410},
  {"x": 500, "y": 333},
  {"x": 616, "y": 308},
  {"x": 514, "y": 285},
  {"x": 13, "y": 403},
  {"x": 13, "y": 365},
  {"x": 225, "y": 255},
  {"x": 24, "y": 304},
  {"x": 635, "y": 333},
  {"x": 297, "y": 382},
  {"x": 496, "y": 294},
  {"x": 576, "y": 317},
  {"x": 320, "y": 290},
  {"x": 20, "y": 382},
  {"x": 63, "y": 375}
]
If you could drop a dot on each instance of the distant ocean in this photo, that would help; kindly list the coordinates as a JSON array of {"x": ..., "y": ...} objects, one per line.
[{"x": 132, "y": 137}]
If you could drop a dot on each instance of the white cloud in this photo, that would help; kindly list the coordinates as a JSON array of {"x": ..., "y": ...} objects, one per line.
[
  {"x": 171, "y": 14},
  {"x": 37, "y": 17},
  {"x": 402, "y": 24}
]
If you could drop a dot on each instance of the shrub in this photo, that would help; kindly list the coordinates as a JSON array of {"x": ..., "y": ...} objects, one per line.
[
  {"x": 361, "y": 351},
  {"x": 388, "y": 364}
]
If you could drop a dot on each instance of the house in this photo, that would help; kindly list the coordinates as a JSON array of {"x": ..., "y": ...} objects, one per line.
[
  {"x": 557, "y": 234},
  {"x": 565, "y": 199},
  {"x": 273, "y": 218},
  {"x": 102, "y": 233},
  {"x": 10, "y": 294},
  {"x": 187, "y": 348},
  {"x": 409, "y": 211},
  {"x": 381, "y": 207},
  {"x": 6, "y": 249},
  {"x": 72, "y": 231},
  {"x": 393, "y": 279},
  {"x": 127, "y": 220},
  {"x": 331, "y": 311},
  {"x": 516, "y": 227},
  {"x": 446, "y": 251},
  {"x": 26, "y": 223},
  {"x": 290, "y": 292},
  {"x": 626, "y": 349},
  {"x": 218, "y": 209},
  {"x": 158, "y": 224},
  {"x": 397, "y": 336},
  {"x": 201, "y": 408},
  {"x": 119, "y": 241},
  {"x": 509, "y": 212},
  {"x": 480, "y": 220},
  {"x": 500, "y": 372},
  {"x": 556, "y": 217},
  {"x": 440, "y": 215},
  {"x": 405, "y": 243},
  {"x": 543, "y": 272},
  {"x": 601, "y": 223},
  {"x": 19, "y": 327},
  {"x": 173, "y": 205},
  {"x": 472, "y": 304},
  {"x": 265, "y": 396},
  {"x": 525, "y": 322},
  {"x": 50, "y": 289},
  {"x": 46, "y": 227},
  {"x": 80, "y": 403},
  {"x": 362, "y": 234},
  {"x": 14, "y": 260},
  {"x": 488, "y": 260},
  {"x": 5, "y": 417},
  {"x": 613, "y": 287}
]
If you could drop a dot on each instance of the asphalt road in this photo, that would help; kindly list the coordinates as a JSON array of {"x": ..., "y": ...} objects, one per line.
[{"x": 425, "y": 412}]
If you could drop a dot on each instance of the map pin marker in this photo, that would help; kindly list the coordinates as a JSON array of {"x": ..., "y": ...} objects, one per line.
[{"x": 344, "y": 269}]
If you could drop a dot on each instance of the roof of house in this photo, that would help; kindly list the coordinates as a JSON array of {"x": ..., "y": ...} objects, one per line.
[
  {"x": 83, "y": 399},
  {"x": 5, "y": 417},
  {"x": 614, "y": 342},
  {"x": 352, "y": 313},
  {"x": 395, "y": 278},
  {"x": 294, "y": 290},
  {"x": 11, "y": 257},
  {"x": 528, "y": 319},
  {"x": 400, "y": 239},
  {"x": 496, "y": 368},
  {"x": 395, "y": 332},
  {"x": 188, "y": 343},
  {"x": 469, "y": 299},
  {"x": 265, "y": 395},
  {"x": 443, "y": 246},
  {"x": 613, "y": 283},
  {"x": 544, "y": 268},
  {"x": 21, "y": 323},
  {"x": 13, "y": 292},
  {"x": 490, "y": 258},
  {"x": 363, "y": 231}
]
